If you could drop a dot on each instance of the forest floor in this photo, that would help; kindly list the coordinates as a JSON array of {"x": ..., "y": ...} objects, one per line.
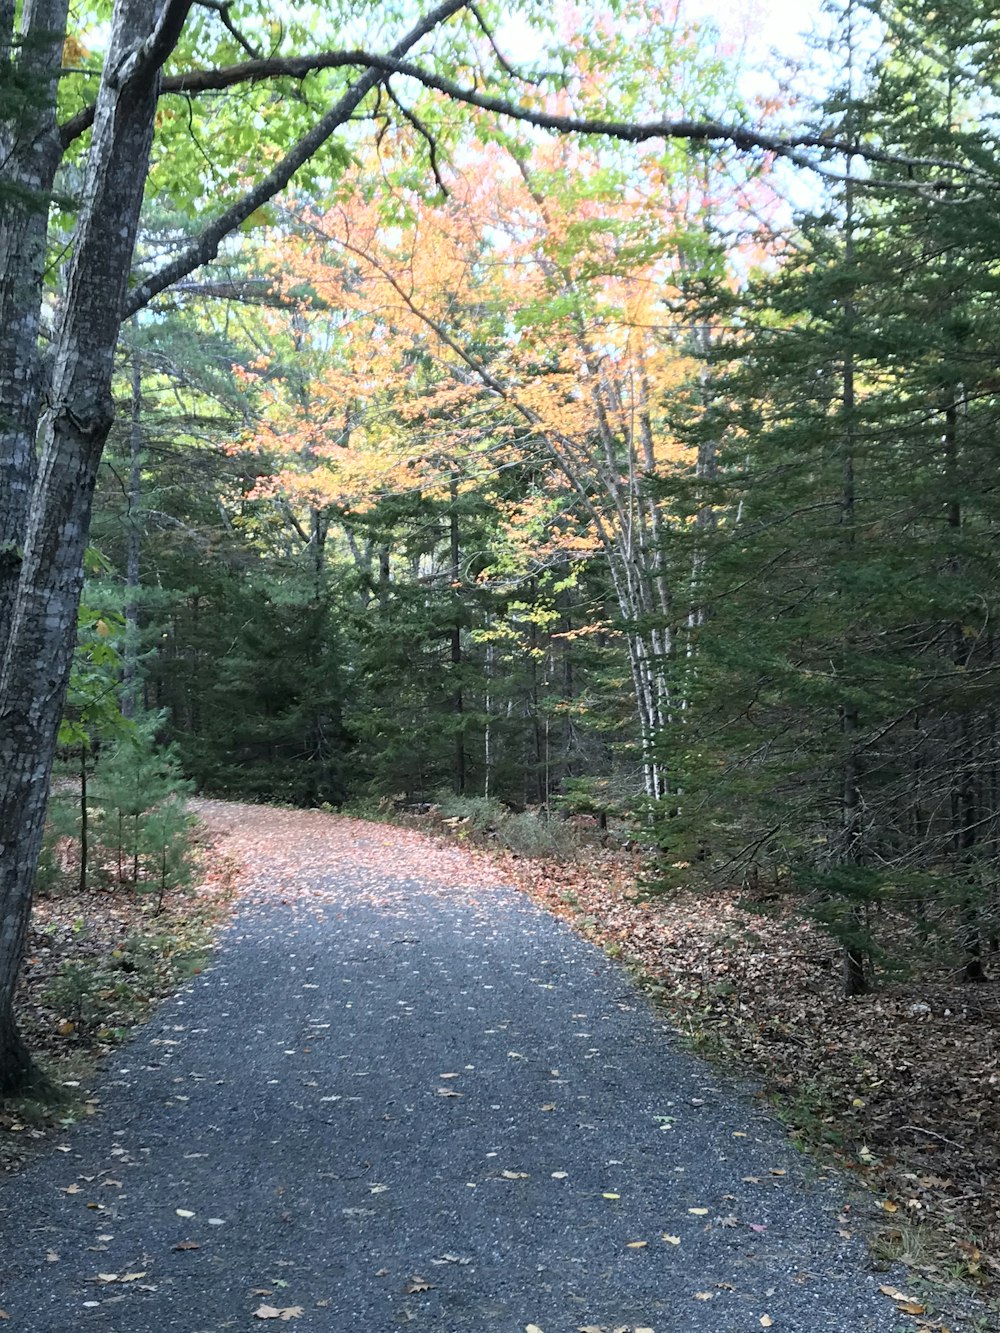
[
  {"x": 98, "y": 963},
  {"x": 899, "y": 1088}
]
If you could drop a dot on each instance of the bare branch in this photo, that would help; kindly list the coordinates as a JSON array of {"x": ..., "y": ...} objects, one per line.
[
  {"x": 413, "y": 119},
  {"x": 502, "y": 60},
  {"x": 222, "y": 8}
]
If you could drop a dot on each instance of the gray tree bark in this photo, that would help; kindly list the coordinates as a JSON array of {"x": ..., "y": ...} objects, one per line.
[{"x": 77, "y": 417}]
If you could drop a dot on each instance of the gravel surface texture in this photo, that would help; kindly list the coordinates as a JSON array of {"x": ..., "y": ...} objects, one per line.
[{"x": 405, "y": 1097}]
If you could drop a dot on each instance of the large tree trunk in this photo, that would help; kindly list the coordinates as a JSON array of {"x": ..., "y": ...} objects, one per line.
[
  {"x": 30, "y": 152},
  {"x": 74, "y": 428}
]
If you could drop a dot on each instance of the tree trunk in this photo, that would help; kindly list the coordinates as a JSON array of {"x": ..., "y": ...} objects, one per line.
[
  {"x": 30, "y": 152},
  {"x": 455, "y": 635},
  {"x": 42, "y": 632},
  {"x": 851, "y": 831},
  {"x": 133, "y": 553}
]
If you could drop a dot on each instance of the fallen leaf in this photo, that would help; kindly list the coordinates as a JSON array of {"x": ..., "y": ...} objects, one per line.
[
  {"x": 766, "y": 1321},
  {"x": 559, "y": 1175},
  {"x": 911, "y": 1307},
  {"x": 894, "y": 1293},
  {"x": 184, "y": 1212},
  {"x": 449, "y": 1092},
  {"x": 532, "y": 1328},
  {"x": 416, "y": 1284},
  {"x": 611, "y": 1196},
  {"x": 704, "y": 1295},
  {"x": 514, "y": 1175},
  {"x": 274, "y": 1312},
  {"x": 636, "y": 1244},
  {"x": 699, "y": 1212},
  {"x": 671, "y": 1240},
  {"x": 889, "y": 1207},
  {"x": 777, "y": 1171},
  {"x": 72, "y": 1189},
  {"x": 549, "y": 1106},
  {"x": 186, "y": 1245},
  {"x": 52, "y": 1257}
]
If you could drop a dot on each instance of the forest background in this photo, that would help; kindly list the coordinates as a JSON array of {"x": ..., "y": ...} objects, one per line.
[{"x": 533, "y": 475}]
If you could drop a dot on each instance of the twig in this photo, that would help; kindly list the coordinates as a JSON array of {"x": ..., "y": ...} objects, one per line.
[{"x": 933, "y": 1134}]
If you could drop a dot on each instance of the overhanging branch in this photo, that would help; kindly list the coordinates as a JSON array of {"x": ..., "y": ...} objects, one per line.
[{"x": 206, "y": 246}]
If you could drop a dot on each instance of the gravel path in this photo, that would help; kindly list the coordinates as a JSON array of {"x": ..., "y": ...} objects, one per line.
[{"x": 403, "y": 1097}]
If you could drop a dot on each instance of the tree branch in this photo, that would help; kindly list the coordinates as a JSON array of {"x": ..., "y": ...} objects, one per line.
[
  {"x": 222, "y": 8},
  {"x": 413, "y": 119},
  {"x": 796, "y": 148},
  {"x": 206, "y": 246}
]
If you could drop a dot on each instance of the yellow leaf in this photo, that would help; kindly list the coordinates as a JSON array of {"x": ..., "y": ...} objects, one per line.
[
  {"x": 74, "y": 52},
  {"x": 889, "y": 1207},
  {"x": 911, "y": 1307},
  {"x": 766, "y": 1321},
  {"x": 611, "y": 1196},
  {"x": 532, "y": 1328},
  {"x": 671, "y": 1240},
  {"x": 704, "y": 1295},
  {"x": 699, "y": 1212},
  {"x": 636, "y": 1244}
]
